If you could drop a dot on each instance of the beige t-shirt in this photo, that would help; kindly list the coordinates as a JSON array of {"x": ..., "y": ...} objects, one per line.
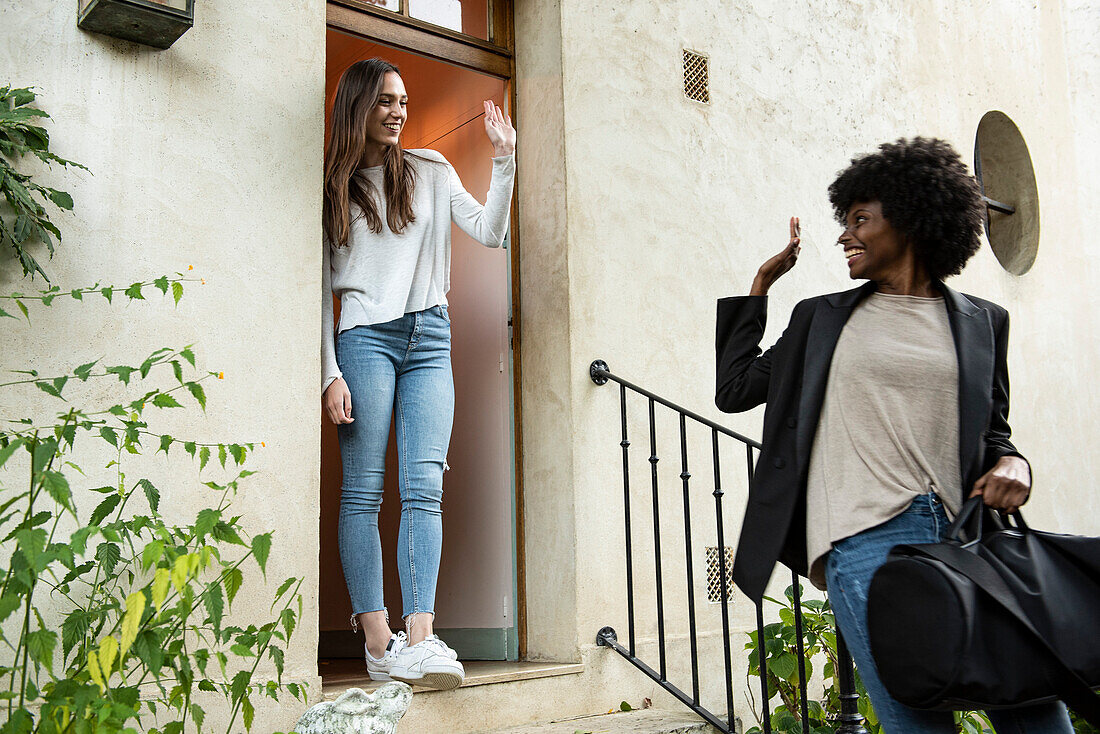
[{"x": 889, "y": 427}]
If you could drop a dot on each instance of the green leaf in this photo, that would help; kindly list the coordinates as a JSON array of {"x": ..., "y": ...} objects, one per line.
[
  {"x": 77, "y": 294},
  {"x": 57, "y": 486},
  {"x": 104, "y": 509},
  {"x": 238, "y": 453},
  {"x": 152, "y": 494},
  {"x": 61, "y": 199},
  {"x": 247, "y": 713},
  {"x": 134, "y": 292},
  {"x": 189, "y": 447},
  {"x": 48, "y": 388},
  {"x": 205, "y": 522},
  {"x": 84, "y": 370},
  {"x": 204, "y": 456},
  {"x": 9, "y": 602},
  {"x": 187, "y": 354},
  {"x": 7, "y": 451},
  {"x": 177, "y": 292},
  {"x": 198, "y": 715},
  {"x": 233, "y": 580},
  {"x": 624, "y": 706},
  {"x": 222, "y": 454},
  {"x": 162, "y": 283},
  {"x": 164, "y": 400},
  {"x": 177, "y": 370},
  {"x": 108, "y": 554},
  {"x": 239, "y": 686},
  {"x": 109, "y": 435},
  {"x": 107, "y": 292},
  {"x": 165, "y": 442},
  {"x": 288, "y": 619},
  {"x": 215, "y": 606},
  {"x": 40, "y": 645},
  {"x": 123, "y": 372},
  {"x": 283, "y": 589},
  {"x": 261, "y": 547},
  {"x": 152, "y": 553},
  {"x": 73, "y": 629},
  {"x": 198, "y": 393}
]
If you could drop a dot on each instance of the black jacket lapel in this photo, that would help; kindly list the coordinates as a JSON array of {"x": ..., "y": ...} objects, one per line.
[
  {"x": 825, "y": 327},
  {"x": 973, "y": 333}
]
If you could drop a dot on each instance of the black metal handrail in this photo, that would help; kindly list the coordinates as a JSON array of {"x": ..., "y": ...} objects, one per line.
[{"x": 849, "y": 719}]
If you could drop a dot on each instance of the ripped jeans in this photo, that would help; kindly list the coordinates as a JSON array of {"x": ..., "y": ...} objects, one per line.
[{"x": 401, "y": 367}]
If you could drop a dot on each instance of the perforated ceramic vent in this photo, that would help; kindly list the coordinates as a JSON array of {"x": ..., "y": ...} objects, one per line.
[
  {"x": 714, "y": 573},
  {"x": 696, "y": 77}
]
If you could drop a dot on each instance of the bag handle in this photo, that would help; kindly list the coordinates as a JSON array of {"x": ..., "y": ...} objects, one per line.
[
  {"x": 1079, "y": 695},
  {"x": 969, "y": 524}
]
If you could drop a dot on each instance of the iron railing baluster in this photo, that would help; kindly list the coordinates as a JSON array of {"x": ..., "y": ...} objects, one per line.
[
  {"x": 657, "y": 541},
  {"x": 799, "y": 636},
  {"x": 723, "y": 586},
  {"x": 685, "y": 476},
  {"x": 762, "y": 661},
  {"x": 850, "y": 720},
  {"x": 625, "y": 443}
]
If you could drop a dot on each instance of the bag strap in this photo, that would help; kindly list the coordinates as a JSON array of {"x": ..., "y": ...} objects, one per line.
[{"x": 1079, "y": 695}]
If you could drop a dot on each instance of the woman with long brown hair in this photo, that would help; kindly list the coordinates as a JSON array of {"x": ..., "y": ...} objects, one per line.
[{"x": 387, "y": 226}]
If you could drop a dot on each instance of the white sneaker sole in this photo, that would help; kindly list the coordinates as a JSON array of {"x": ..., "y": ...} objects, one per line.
[
  {"x": 440, "y": 681},
  {"x": 378, "y": 676}
]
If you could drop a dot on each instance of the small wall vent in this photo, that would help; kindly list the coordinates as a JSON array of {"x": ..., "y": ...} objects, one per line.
[
  {"x": 696, "y": 77},
  {"x": 714, "y": 573}
]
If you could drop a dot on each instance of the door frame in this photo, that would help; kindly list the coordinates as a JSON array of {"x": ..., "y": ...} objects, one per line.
[{"x": 496, "y": 58}]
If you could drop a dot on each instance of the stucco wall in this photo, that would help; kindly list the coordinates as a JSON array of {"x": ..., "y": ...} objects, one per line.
[
  {"x": 207, "y": 154},
  {"x": 671, "y": 205}
]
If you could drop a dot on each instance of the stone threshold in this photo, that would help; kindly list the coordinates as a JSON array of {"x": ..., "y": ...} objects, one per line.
[
  {"x": 338, "y": 675},
  {"x": 644, "y": 721}
]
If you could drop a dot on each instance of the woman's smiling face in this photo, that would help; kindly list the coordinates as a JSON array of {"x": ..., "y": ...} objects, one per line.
[
  {"x": 874, "y": 249},
  {"x": 386, "y": 120}
]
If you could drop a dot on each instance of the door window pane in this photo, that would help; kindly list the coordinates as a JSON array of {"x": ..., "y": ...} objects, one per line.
[
  {"x": 394, "y": 5},
  {"x": 470, "y": 17}
]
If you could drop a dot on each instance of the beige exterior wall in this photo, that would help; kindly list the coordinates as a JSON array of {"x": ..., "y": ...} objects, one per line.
[
  {"x": 669, "y": 205},
  {"x": 208, "y": 154},
  {"x": 637, "y": 209}
]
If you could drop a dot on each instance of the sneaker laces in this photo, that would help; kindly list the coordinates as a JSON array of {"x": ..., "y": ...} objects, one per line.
[
  {"x": 397, "y": 641},
  {"x": 437, "y": 645}
]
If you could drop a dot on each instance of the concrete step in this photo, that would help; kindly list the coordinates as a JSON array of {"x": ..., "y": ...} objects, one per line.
[{"x": 640, "y": 721}]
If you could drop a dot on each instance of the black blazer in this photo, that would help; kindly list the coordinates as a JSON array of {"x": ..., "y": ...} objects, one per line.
[{"x": 790, "y": 377}]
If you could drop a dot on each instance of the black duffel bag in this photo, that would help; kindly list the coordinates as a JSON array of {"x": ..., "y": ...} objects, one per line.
[{"x": 996, "y": 616}]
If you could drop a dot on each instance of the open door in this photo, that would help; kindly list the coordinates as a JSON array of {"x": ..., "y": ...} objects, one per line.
[{"x": 476, "y": 605}]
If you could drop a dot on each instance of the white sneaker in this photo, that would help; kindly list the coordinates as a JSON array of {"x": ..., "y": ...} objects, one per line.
[
  {"x": 429, "y": 663},
  {"x": 379, "y": 668}
]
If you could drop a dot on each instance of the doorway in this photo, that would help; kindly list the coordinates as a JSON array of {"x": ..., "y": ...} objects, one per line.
[{"x": 477, "y": 604}]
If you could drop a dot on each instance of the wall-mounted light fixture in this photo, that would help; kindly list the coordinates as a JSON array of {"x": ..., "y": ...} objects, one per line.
[{"x": 156, "y": 23}]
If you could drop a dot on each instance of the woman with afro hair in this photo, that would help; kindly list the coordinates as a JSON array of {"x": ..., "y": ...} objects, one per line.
[{"x": 886, "y": 405}]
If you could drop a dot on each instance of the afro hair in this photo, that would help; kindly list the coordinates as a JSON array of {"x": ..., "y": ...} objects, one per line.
[{"x": 926, "y": 194}]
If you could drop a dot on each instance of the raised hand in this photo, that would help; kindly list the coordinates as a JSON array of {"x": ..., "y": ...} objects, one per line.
[
  {"x": 776, "y": 266},
  {"x": 498, "y": 126}
]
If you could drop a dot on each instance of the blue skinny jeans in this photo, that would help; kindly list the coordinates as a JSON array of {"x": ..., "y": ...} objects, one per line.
[
  {"x": 848, "y": 571},
  {"x": 400, "y": 368}
]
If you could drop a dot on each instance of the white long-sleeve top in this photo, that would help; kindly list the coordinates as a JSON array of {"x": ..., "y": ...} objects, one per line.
[{"x": 381, "y": 276}]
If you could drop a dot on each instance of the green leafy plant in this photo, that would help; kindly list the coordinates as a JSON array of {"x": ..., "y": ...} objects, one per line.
[
  {"x": 143, "y": 602},
  {"x": 26, "y": 221},
  {"x": 113, "y": 616},
  {"x": 780, "y": 645}
]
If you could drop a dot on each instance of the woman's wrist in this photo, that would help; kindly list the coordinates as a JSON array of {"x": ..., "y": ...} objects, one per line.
[
  {"x": 759, "y": 287},
  {"x": 500, "y": 151}
]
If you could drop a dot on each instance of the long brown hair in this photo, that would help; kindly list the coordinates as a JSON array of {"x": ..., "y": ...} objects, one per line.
[{"x": 356, "y": 95}]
